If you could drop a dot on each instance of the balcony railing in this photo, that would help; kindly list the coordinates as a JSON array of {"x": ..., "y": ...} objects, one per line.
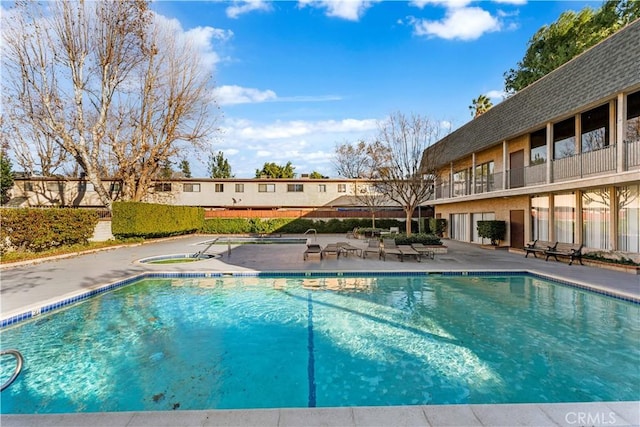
[
  {"x": 585, "y": 164},
  {"x": 632, "y": 154},
  {"x": 536, "y": 174}
]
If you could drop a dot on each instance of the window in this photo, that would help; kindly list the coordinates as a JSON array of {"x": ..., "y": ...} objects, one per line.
[
  {"x": 295, "y": 188},
  {"x": 564, "y": 139},
  {"x": 239, "y": 188},
  {"x": 484, "y": 177},
  {"x": 84, "y": 187},
  {"x": 596, "y": 217},
  {"x": 190, "y": 188},
  {"x": 55, "y": 186},
  {"x": 538, "y": 147},
  {"x": 219, "y": 188},
  {"x": 629, "y": 218},
  {"x": 564, "y": 217},
  {"x": 461, "y": 183},
  {"x": 114, "y": 188},
  {"x": 459, "y": 225},
  {"x": 322, "y": 188},
  {"x": 27, "y": 186},
  {"x": 266, "y": 188},
  {"x": 342, "y": 188},
  {"x": 162, "y": 187},
  {"x": 595, "y": 128},
  {"x": 540, "y": 218},
  {"x": 633, "y": 117}
]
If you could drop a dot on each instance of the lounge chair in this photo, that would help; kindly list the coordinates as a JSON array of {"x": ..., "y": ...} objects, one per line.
[
  {"x": 372, "y": 248},
  {"x": 407, "y": 250},
  {"x": 389, "y": 248},
  {"x": 331, "y": 249},
  {"x": 312, "y": 249},
  {"x": 348, "y": 248},
  {"x": 423, "y": 250}
]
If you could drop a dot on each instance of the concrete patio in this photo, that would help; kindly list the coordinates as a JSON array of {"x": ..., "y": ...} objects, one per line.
[{"x": 29, "y": 285}]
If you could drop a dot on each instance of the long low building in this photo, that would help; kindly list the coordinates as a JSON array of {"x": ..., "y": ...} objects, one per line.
[
  {"x": 231, "y": 197},
  {"x": 558, "y": 161}
]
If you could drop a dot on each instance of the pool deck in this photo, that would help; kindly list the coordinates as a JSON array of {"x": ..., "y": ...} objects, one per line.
[{"x": 29, "y": 285}]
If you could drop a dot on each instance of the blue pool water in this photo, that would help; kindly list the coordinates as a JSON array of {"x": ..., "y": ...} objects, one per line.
[{"x": 267, "y": 342}]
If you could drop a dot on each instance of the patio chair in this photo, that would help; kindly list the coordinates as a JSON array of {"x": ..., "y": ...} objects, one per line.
[
  {"x": 423, "y": 250},
  {"x": 353, "y": 234},
  {"x": 372, "y": 248},
  {"x": 407, "y": 250},
  {"x": 331, "y": 249},
  {"x": 389, "y": 247},
  {"x": 312, "y": 249},
  {"x": 348, "y": 248}
]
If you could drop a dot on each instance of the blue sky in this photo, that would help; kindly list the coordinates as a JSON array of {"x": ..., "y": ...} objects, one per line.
[{"x": 295, "y": 78}]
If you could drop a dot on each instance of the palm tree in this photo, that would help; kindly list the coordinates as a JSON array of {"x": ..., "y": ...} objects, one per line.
[{"x": 480, "y": 105}]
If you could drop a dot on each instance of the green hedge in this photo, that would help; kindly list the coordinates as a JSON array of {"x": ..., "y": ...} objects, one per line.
[
  {"x": 37, "y": 230},
  {"x": 135, "y": 219},
  {"x": 425, "y": 239},
  {"x": 292, "y": 226}
]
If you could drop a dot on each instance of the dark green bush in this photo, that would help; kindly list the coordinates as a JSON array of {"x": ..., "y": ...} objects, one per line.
[
  {"x": 437, "y": 226},
  {"x": 135, "y": 219},
  {"x": 425, "y": 239},
  {"x": 288, "y": 225},
  {"x": 41, "y": 229},
  {"x": 494, "y": 230}
]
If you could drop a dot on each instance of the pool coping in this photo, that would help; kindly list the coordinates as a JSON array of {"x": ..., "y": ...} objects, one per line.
[
  {"x": 532, "y": 414},
  {"x": 29, "y": 312}
]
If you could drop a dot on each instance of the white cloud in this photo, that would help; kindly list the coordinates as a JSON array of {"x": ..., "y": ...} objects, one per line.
[
  {"x": 308, "y": 145},
  {"x": 351, "y": 10},
  {"x": 201, "y": 38},
  {"x": 496, "y": 94},
  {"x": 467, "y": 23},
  {"x": 241, "y": 7},
  {"x": 232, "y": 94},
  {"x": 447, "y": 3},
  {"x": 514, "y": 2}
]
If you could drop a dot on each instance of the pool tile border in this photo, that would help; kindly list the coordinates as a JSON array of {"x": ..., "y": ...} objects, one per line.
[{"x": 29, "y": 314}]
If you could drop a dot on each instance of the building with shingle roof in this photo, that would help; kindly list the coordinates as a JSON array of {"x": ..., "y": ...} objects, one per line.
[{"x": 558, "y": 161}]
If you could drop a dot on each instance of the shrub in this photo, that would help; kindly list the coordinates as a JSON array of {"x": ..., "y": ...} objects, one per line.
[
  {"x": 42, "y": 229},
  {"x": 135, "y": 219},
  {"x": 437, "y": 226},
  {"x": 494, "y": 230}
]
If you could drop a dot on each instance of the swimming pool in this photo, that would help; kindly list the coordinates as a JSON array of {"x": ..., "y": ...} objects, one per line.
[{"x": 302, "y": 341}]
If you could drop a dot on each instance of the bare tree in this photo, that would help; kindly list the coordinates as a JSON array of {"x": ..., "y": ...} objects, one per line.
[
  {"x": 408, "y": 170},
  {"x": 36, "y": 153},
  {"x": 106, "y": 84},
  {"x": 359, "y": 161}
]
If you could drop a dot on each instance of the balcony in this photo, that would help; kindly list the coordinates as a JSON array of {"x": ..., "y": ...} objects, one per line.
[{"x": 585, "y": 165}]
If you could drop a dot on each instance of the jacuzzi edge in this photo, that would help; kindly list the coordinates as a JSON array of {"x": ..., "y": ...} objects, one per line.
[{"x": 72, "y": 298}]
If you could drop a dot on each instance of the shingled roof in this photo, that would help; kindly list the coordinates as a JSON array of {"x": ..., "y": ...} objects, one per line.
[{"x": 607, "y": 68}]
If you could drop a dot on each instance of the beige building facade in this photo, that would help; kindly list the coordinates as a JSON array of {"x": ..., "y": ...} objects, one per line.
[{"x": 558, "y": 161}]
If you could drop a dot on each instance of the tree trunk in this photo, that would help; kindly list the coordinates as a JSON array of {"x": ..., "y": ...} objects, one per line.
[{"x": 409, "y": 215}]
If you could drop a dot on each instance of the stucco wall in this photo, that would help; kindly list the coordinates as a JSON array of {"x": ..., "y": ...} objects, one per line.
[{"x": 501, "y": 207}]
